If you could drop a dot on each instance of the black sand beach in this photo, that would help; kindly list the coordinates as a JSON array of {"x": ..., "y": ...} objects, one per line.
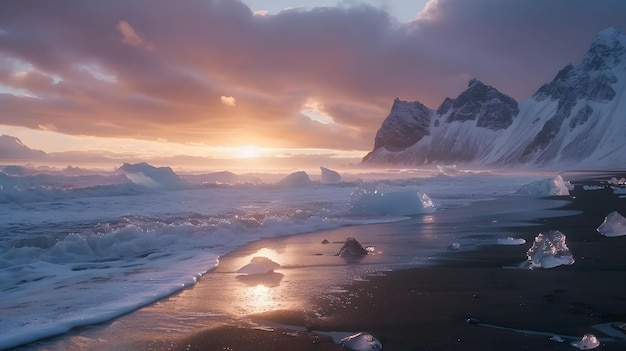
[
  {"x": 427, "y": 308},
  {"x": 461, "y": 300}
]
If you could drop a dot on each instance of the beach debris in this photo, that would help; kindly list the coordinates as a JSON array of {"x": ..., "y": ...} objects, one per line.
[
  {"x": 325, "y": 241},
  {"x": 546, "y": 187},
  {"x": 511, "y": 241},
  {"x": 614, "y": 225},
  {"x": 557, "y": 338},
  {"x": 588, "y": 342},
  {"x": 352, "y": 249},
  {"x": 548, "y": 251},
  {"x": 259, "y": 265},
  {"x": 361, "y": 342}
]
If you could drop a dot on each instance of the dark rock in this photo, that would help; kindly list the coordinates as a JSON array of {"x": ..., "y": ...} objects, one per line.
[{"x": 352, "y": 249}]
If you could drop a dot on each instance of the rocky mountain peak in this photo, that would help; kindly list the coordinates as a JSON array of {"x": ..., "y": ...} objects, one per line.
[
  {"x": 574, "y": 119},
  {"x": 606, "y": 51},
  {"x": 482, "y": 103},
  {"x": 13, "y": 148}
]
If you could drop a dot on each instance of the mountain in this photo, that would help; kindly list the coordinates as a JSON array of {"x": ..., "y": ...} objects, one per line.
[
  {"x": 577, "y": 119},
  {"x": 13, "y": 148}
]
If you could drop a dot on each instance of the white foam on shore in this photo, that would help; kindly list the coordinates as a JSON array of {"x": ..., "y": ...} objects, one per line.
[{"x": 73, "y": 256}]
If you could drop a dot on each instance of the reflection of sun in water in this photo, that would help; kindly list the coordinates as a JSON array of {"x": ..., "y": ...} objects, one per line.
[{"x": 259, "y": 298}]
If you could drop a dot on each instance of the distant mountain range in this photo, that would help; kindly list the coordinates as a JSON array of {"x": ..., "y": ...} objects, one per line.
[
  {"x": 12, "y": 148},
  {"x": 576, "y": 120}
]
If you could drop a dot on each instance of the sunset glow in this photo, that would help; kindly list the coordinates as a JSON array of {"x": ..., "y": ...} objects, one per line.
[
  {"x": 246, "y": 80},
  {"x": 248, "y": 151}
]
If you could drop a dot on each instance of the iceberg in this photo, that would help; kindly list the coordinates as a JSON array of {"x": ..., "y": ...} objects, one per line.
[
  {"x": 152, "y": 177},
  {"x": 614, "y": 225},
  {"x": 548, "y": 251},
  {"x": 361, "y": 342},
  {"x": 259, "y": 265},
  {"x": 380, "y": 202},
  {"x": 295, "y": 180},
  {"x": 329, "y": 176},
  {"x": 546, "y": 187}
]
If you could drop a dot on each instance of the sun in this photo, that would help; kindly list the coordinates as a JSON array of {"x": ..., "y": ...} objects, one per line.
[{"x": 247, "y": 151}]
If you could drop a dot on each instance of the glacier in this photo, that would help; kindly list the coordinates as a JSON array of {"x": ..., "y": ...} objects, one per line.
[{"x": 576, "y": 120}]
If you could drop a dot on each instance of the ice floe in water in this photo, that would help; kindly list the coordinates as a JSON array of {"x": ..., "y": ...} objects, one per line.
[
  {"x": 548, "y": 251},
  {"x": 614, "y": 225},
  {"x": 511, "y": 241},
  {"x": 329, "y": 176},
  {"x": 361, "y": 342},
  {"x": 259, "y": 265},
  {"x": 546, "y": 187},
  {"x": 450, "y": 170},
  {"x": 381, "y": 202},
  {"x": 588, "y": 342},
  {"x": 295, "y": 180}
]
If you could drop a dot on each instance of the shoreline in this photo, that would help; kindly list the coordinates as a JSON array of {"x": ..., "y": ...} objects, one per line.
[
  {"x": 423, "y": 308},
  {"x": 427, "y": 308}
]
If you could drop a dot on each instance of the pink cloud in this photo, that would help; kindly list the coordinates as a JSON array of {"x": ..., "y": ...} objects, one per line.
[
  {"x": 130, "y": 36},
  {"x": 150, "y": 69}
]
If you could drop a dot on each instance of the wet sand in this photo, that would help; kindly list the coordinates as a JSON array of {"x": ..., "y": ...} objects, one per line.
[
  {"x": 428, "y": 308},
  {"x": 423, "y": 308}
]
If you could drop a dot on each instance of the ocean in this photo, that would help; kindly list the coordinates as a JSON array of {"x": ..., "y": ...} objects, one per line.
[{"x": 78, "y": 250}]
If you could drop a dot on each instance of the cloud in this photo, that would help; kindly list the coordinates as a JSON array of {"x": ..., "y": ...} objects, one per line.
[
  {"x": 228, "y": 100},
  {"x": 129, "y": 36},
  {"x": 353, "y": 60}
]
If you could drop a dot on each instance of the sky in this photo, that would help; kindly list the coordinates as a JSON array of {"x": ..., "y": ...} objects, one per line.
[{"x": 310, "y": 79}]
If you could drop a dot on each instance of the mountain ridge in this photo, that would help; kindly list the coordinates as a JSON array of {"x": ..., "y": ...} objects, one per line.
[
  {"x": 577, "y": 118},
  {"x": 13, "y": 148}
]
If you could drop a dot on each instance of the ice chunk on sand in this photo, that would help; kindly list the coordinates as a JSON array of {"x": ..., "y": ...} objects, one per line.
[
  {"x": 614, "y": 225},
  {"x": 588, "y": 342},
  {"x": 295, "y": 180},
  {"x": 259, "y": 265},
  {"x": 511, "y": 241},
  {"x": 546, "y": 187},
  {"x": 361, "y": 342},
  {"x": 329, "y": 176},
  {"x": 352, "y": 249},
  {"x": 548, "y": 251}
]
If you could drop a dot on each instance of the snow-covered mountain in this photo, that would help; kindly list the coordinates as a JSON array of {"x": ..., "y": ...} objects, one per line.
[
  {"x": 13, "y": 148},
  {"x": 578, "y": 119}
]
